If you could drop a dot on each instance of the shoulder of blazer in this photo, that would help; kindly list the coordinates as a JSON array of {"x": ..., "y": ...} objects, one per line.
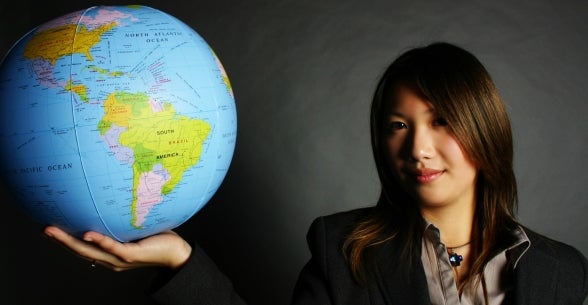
[
  {"x": 564, "y": 254},
  {"x": 338, "y": 224},
  {"x": 551, "y": 272}
]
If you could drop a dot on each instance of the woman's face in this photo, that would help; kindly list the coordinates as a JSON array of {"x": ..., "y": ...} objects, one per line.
[{"x": 425, "y": 156}]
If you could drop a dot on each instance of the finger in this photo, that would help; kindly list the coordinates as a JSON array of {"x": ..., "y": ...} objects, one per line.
[
  {"x": 67, "y": 240},
  {"x": 125, "y": 252},
  {"x": 124, "y": 255}
]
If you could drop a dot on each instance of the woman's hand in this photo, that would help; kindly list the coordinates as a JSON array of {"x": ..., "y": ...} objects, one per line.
[{"x": 165, "y": 249}]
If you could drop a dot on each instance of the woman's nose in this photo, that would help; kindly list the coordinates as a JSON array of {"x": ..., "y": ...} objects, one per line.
[{"x": 421, "y": 144}]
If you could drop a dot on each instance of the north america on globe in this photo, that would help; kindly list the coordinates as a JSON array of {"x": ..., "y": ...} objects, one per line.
[{"x": 119, "y": 119}]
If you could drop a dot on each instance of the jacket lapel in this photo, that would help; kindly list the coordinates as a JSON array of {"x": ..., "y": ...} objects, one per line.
[{"x": 397, "y": 283}]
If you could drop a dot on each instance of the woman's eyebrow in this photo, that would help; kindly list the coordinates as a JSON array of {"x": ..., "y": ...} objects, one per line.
[{"x": 431, "y": 110}]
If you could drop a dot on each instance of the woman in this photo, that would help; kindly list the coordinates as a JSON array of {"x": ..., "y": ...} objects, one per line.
[{"x": 444, "y": 230}]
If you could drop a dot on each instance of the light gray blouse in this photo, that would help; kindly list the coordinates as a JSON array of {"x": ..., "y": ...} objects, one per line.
[{"x": 497, "y": 273}]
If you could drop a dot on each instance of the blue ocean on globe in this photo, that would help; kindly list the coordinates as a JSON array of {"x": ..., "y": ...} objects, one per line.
[{"x": 117, "y": 119}]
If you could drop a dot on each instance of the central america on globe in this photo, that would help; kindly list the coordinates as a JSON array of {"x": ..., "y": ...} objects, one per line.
[{"x": 116, "y": 119}]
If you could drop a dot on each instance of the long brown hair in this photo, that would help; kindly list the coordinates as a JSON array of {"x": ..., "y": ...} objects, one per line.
[{"x": 463, "y": 93}]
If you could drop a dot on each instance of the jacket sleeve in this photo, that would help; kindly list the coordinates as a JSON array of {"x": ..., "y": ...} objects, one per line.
[{"x": 199, "y": 282}]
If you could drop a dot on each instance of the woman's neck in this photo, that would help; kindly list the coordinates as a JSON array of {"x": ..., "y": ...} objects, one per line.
[{"x": 455, "y": 224}]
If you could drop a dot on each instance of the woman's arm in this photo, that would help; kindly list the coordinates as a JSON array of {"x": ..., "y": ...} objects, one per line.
[{"x": 193, "y": 278}]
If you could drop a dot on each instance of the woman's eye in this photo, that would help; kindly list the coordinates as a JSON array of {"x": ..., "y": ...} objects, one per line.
[
  {"x": 396, "y": 126},
  {"x": 439, "y": 122}
]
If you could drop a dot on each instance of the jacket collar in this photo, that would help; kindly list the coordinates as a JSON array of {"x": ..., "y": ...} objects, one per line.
[{"x": 534, "y": 280}]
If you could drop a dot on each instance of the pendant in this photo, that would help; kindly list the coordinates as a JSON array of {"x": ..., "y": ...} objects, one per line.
[{"x": 455, "y": 259}]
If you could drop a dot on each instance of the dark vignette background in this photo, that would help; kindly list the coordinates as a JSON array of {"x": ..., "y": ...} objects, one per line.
[{"x": 303, "y": 73}]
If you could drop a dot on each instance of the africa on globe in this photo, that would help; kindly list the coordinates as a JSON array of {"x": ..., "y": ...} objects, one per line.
[{"x": 116, "y": 119}]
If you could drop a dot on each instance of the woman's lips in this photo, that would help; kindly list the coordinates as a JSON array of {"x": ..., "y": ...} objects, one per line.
[{"x": 426, "y": 175}]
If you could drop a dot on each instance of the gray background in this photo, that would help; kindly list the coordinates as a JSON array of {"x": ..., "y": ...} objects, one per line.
[{"x": 303, "y": 73}]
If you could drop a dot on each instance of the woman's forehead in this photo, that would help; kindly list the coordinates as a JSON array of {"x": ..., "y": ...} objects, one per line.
[{"x": 401, "y": 97}]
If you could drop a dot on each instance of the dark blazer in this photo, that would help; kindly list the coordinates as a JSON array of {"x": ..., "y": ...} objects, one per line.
[{"x": 549, "y": 272}]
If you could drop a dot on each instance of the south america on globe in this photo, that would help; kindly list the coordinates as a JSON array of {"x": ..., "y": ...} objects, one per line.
[{"x": 116, "y": 119}]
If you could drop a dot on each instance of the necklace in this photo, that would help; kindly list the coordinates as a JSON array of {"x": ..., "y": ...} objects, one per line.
[{"x": 454, "y": 258}]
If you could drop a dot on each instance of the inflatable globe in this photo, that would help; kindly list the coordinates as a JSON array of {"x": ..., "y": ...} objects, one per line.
[{"x": 117, "y": 119}]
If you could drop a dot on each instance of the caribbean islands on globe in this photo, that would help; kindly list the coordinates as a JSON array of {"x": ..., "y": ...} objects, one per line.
[{"x": 116, "y": 119}]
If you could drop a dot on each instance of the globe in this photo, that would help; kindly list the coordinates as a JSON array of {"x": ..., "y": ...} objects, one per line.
[{"x": 116, "y": 119}]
